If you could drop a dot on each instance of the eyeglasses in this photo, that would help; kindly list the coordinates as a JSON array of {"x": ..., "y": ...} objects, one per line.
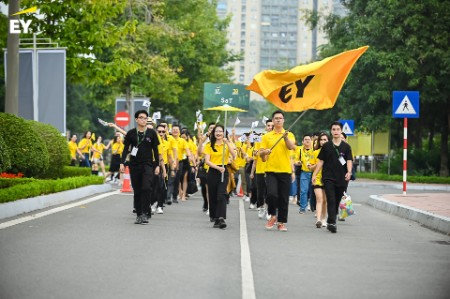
[
  {"x": 142, "y": 117},
  {"x": 161, "y": 131}
]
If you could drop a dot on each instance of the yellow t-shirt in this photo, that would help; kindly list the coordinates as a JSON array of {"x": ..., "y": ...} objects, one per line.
[
  {"x": 319, "y": 174},
  {"x": 86, "y": 143},
  {"x": 279, "y": 160},
  {"x": 260, "y": 164},
  {"x": 100, "y": 147},
  {"x": 240, "y": 161},
  {"x": 162, "y": 149},
  {"x": 216, "y": 156},
  {"x": 73, "y": 149},
  {"x": 117, "y": 148},
  {"x": 181, "y": 148},
  {"x": 307, "y": 156},
  {"x": 193, "y": 149}
]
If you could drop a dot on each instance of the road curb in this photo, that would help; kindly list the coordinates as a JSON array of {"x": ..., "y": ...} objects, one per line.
[
  {"x": 429, "y": 220},
  {"x": 399, "y": 186},
  {"x": 14, "y": 208}
]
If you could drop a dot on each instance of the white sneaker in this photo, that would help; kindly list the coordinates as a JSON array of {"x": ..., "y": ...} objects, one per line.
[
  {"x": 308, "y": 208},
  {"x": 159, "y": 210},
  {"x": 324, "y": 224},
  {"x": 268, "y": 217},
  {"x": 246, "y": 198},
  {"x": 154, "y": 207},
  {"x": 207, "y": 213},
  {"x": 261, "y": 213},
  {"x": 252, "y": 206}
]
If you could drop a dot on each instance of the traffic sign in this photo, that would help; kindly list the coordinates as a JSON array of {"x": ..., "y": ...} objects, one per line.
[
  {"x": 219, "y": 94},
  {"x": 348, "y": 127},
  {"x": 405, "y": 104},
  {"x": 122, "y": 118}
]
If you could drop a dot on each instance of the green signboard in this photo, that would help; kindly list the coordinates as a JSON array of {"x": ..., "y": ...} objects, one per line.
[{"x": 218, "y": 94}]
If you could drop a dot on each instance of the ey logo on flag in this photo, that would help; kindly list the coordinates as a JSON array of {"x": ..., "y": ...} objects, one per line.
[{"x": 21, "y": 26}]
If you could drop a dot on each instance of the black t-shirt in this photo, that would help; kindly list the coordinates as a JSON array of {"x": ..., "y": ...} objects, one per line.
[
  {"x": 147, "y": 144},
  {"x": 332, "y": 169}
]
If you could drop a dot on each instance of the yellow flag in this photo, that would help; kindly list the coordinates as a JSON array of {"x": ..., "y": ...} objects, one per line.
[{"x": 312, "y": 86}]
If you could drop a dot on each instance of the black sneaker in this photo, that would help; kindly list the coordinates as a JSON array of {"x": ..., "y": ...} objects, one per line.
[
  {"x": 216, "y": 223},
  {"x": 222, "y": 223},
  {"x": 144, "y": 219},
  {"x": 138, "y": 220},
  {"x": 341, "y": 219},
  {"x": 168, "y": 202},
  {"x": 134, "y": 211},
  {"x": 332, "y": 228},
  {"x": 175, "y": 201}
]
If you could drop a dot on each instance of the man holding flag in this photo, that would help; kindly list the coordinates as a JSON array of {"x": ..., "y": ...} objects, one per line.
[{"x": 276, "y": 153}]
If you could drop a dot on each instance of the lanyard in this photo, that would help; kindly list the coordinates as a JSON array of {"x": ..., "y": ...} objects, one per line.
[
  {"x": 143, "y": 137},
  {"x": 336, "y": 149}
]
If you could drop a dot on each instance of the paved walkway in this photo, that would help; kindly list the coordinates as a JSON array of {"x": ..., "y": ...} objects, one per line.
[{"x": 431, "y": 209}]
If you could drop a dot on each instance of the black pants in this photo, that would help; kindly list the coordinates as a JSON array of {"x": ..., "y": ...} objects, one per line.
[
  {"x": 203, "y": 188},
  {"x": 253, "y": 190},
  {"x": 177, "y": 180},
  {"x": 261, "y": 190},
  {"x": 141, "y": 176},
  {"x": 217, "y": 191},
  {"x": 334, "y": 194},
  {"x": 278, "y": 186},
  {"x": 159, "y": 190}
]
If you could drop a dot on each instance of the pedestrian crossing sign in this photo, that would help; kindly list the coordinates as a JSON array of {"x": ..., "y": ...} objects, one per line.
[
  {"x": 348, "y": 127},
  {"x": 405, "y": 104}
]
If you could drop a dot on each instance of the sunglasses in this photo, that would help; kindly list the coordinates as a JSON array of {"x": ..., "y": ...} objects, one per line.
[{"x": 161, "y": 131}]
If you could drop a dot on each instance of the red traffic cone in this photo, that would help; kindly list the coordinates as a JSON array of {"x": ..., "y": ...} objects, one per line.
[
  {"x": 241, "y": 193},
  {"x": 126, "y": 181}
]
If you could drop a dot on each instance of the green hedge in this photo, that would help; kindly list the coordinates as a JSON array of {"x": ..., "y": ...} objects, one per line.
[
  {"x": 27, "y": 151},
  {"x": 70, "y": 171},
  {"x": 42, "y": 187},
  {"x": 399, "y": 178},
  {"x": 58, "y": 151},
  {"x": 6, "y": 183},
  {"x": 5, "y": 161}
]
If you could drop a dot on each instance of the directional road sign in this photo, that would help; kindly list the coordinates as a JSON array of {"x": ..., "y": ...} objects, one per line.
[
  {"x": 405, "y": 104},
  {"x": 348, "y": 127}
]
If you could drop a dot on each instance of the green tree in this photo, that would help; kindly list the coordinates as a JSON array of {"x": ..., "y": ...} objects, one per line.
[{"x": 408, "y": 50}]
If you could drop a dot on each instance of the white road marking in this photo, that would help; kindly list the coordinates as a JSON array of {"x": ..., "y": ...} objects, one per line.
[
  {"x": 55, "y": 210},
  {"x": 248, "y": 285}
]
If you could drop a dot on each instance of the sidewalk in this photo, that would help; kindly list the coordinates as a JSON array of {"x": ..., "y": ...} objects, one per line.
[{"x": 432, "y": 210}]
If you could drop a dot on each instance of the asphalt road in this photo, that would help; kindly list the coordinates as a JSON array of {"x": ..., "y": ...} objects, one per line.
[{"x": 95, "y": 251}]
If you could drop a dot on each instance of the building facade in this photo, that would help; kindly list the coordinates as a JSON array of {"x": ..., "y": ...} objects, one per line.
[{"x": 272, "y": 34}]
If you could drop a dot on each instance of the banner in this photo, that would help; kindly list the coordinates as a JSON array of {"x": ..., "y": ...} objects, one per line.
[{"x": 312, "y": 86}]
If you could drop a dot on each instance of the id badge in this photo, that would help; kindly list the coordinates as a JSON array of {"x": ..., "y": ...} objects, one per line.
[
  {"x": 134, "y": 151},
  {"x": 342, "y": 160}
]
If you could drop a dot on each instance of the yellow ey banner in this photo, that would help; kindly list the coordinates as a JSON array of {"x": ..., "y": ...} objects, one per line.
[{"x": 311, "y": 86}]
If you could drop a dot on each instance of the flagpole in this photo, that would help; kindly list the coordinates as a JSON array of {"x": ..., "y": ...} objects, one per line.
[
  {"x": 223, "y": 149},
  {"x": 298, "y": 118}
]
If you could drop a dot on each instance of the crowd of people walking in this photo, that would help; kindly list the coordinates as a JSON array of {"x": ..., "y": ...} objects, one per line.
[{"x": 271, "y": 170}]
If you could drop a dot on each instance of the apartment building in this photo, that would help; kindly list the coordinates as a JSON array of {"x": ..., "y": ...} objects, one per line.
[{"x": 272, "y": 34}]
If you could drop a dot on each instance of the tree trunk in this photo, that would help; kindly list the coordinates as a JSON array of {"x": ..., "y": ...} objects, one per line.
[
  {"x": 12, "y": 70},
  {"x": 431, "y": 135},
  {"x": 444, "y": 143}
]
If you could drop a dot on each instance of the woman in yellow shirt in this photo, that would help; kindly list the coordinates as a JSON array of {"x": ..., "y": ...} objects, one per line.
[
  {"x": 97, "y": 156},
  {"x": 319, "y": 191},
  {"x": 217, "y": 154},
  {"x": 116, "y": 151},
  {"x": 85, "y": 147},
  {"x": 73, "y": 148}
]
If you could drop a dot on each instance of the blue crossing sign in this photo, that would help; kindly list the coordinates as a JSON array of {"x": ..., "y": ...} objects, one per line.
[
  {"x": 405, "y": 104},
  {"x": 348, "y": 127}
]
